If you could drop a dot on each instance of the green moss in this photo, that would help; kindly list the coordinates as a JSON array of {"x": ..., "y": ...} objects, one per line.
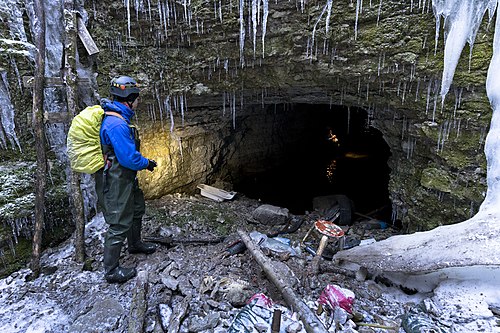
[
  {"x": 216, "y": 219},
  {"x": 436, "y": 179},
  {"x": 12, "y": 261}
]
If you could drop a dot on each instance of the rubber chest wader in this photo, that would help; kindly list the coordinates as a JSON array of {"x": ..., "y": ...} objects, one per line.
[
  {"x": 121, "y": 198},
  {"x": 123, "y": 206}
]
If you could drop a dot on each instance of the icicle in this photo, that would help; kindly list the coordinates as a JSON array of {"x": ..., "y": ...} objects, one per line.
[
  {"x": 149, "y": 11},
  {"x": 242, "y": 32},
  {"x": 168, "y": 109},
  {"x": 359, "y": 7},
  {"x": 159, "y": 105},
  {"x": 7, "y": 114},
  {"x": 254, "y": 24},
  {"x": 379, "y": 61},
  {"x": 182, "y": 109},
  {"x": 348, "y": 119},
  {"x": 184, "y": 5},
  {"x": 429, "y": 87},
  {"x": 168, "y": 12},
  {"x": 461, "y": 22},
  {"x": 328, "y": 15},
  {"x": 223, "y": 103},
  {"x": 326, "y": 9},
  {"x": 417, "y": 90},
  {"x": 233, "y": 110},
  {"x": 220, "y": 11},
  {"x": 404, "y": 93},
  {"x": 265, "y": 9},
  {"x": 128, "y": 17},
  {"x": 379, "y": 11}
]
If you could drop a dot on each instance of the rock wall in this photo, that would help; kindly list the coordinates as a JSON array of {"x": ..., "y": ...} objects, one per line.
[
  {"x": 387, "y": 64},
  {"x": 206, "y": 109}
]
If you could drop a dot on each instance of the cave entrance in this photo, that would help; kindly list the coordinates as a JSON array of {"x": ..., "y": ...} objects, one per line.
[{"x": 334, "y": 151}]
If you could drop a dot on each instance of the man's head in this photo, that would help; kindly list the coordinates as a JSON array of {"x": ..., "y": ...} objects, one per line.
[{"x": 124, "y": 89}]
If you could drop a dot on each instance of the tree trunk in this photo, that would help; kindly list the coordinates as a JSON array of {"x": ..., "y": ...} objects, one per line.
[
  {"x": 70, "y": 78},
  {"x": 40, "y": 145}
]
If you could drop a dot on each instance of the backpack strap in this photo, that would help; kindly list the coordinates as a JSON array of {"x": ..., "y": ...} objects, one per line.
[
  {"x": 116, "y": 114},
  {"x": 107, "y": 164}
]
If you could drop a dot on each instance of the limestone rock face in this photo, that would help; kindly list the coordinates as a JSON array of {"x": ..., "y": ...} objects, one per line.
[{"x": 207, "y": 102}]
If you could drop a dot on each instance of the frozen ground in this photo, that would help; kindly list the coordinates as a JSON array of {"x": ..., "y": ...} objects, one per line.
[{"x": 217, "y": 285}]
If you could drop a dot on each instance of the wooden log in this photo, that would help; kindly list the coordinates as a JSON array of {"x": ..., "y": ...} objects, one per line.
[
  {"x": 139, "y": 305},
  {"x": 312, "y": 324}
]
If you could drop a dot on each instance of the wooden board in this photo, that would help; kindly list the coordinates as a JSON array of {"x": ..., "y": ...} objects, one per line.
[{"x": 215, "y": 193}]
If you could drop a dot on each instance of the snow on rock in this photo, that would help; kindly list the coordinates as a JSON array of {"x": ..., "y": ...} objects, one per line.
[{"x": 473, "y": 242}]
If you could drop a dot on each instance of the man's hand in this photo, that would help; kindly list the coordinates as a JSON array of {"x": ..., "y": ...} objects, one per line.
[{"x": 151, "y": 165}]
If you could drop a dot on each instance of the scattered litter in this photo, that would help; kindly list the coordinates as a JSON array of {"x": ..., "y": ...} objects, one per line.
[
  {"x": 374, "y": 224},
  {"x": 236, "y": 247},
  {"x": 215, "y": 193},
  {"x": 334, "y": 296},
  {"x": 277, "y": 245},
  {"x": 417, "y": 320},
  {"x": 367, "y": 241},
  {"x": 257, "y": 316},
  {"x": 335, "y": 306}
]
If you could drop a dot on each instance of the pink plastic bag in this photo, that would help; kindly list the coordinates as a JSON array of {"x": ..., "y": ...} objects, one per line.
[
  {"x": 334, "y": 296},
  {"x": 261, "y": 300}
]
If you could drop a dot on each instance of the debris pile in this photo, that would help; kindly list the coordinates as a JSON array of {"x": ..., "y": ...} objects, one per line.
[{"x": 218, "y": 269}]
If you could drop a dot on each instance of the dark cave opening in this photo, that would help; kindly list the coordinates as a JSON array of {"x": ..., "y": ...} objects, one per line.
[{"x": 337, "y": 152}]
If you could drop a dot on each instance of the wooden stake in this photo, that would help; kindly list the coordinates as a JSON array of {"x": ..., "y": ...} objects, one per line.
[
  {"x": 39, "y": 129},
  {"x": 312, "y": 324},
  {"x": 70, "y": 76},
  {"x": 315, "y": 262}
]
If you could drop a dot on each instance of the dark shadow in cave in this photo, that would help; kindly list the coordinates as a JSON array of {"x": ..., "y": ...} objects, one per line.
[{"x": 337, "y": 153}]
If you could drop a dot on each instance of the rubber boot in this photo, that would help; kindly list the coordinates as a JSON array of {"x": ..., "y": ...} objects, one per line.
[
  {"x": 113, "y": 272},
  {"x": 135, "y": 244}
]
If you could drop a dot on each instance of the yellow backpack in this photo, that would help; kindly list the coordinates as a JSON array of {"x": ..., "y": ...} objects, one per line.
[{"x": 84, "y": 143}]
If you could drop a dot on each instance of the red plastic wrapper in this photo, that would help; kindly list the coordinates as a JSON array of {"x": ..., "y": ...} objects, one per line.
[
  {"x": 261, "y": 300},
  {"x": 334, "y": 296}
]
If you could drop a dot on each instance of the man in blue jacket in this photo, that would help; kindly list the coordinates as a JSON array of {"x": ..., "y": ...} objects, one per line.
[{"x": 117, "y": 188}]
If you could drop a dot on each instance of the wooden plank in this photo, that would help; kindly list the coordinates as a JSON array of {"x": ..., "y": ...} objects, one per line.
[
  {"x": 215, "y": 193},
  {"x": 86, "y": 38}
]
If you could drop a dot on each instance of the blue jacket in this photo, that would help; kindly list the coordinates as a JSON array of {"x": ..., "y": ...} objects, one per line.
[{"x": 116, "y": 133}]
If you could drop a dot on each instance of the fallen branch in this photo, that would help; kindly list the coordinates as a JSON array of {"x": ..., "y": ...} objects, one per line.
[
  {"x": 139, "y": 304},
  {"x": 312, "y": 324},
  {"x": 169, "y": 241}
]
